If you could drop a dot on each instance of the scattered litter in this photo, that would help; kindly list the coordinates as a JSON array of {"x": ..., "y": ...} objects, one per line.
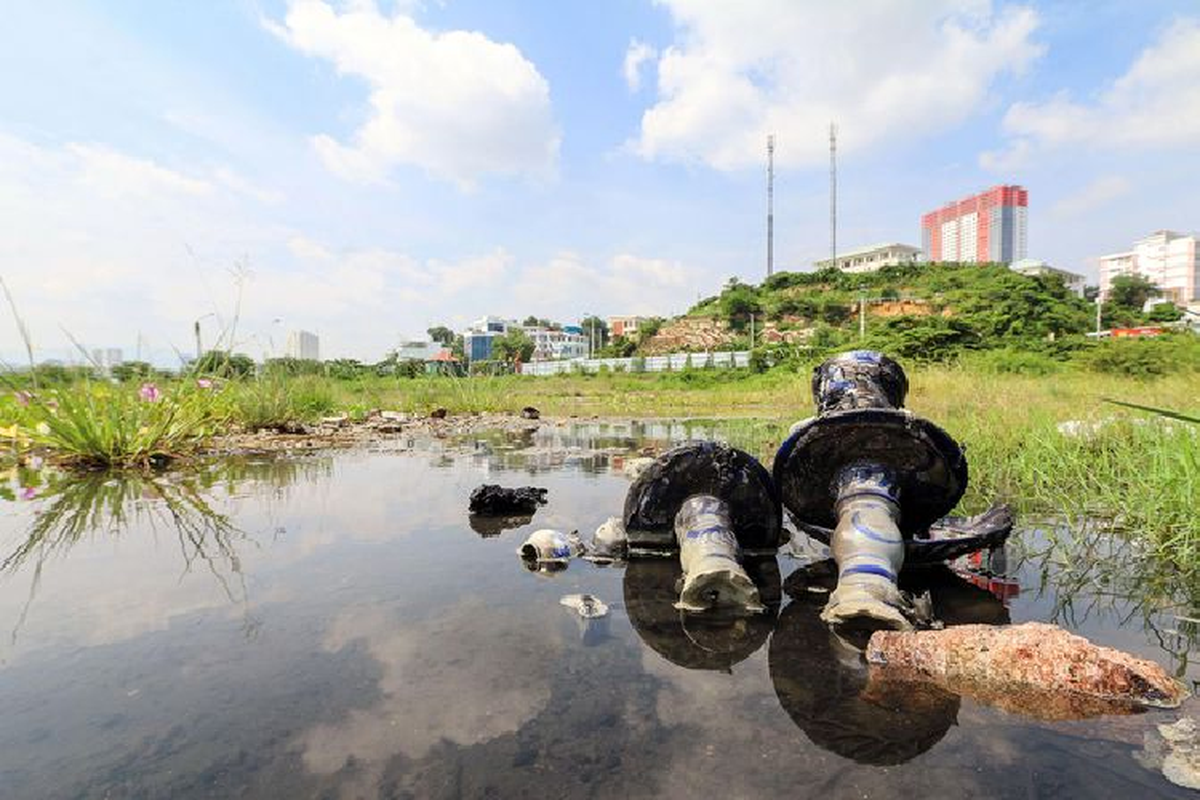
[
  {"x": 529, "y": 412},
  {"x": 548, "y": 546},
  {"x": 586, "y": 605},
  {"x": 496, "y": 499},
  {"x": 336, "y": 422},
  {"x": 608, "y": 543}
]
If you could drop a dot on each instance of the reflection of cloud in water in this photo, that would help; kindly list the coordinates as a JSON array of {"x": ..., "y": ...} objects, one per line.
[{"x": 468, "y": 676}]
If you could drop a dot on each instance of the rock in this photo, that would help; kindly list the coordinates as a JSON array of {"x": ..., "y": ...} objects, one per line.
[
  {"x": 438, "y": 413},
  {"x": 529, "y": 412},
  {"x": 1035, "y": 669},
  {"x": 393, "y": 416},
  {"x": 1174, "y": 750},
  {"x": 497, "y": 500},
  {"x": 336, "y": 422},
  {"x": 389, "y": 427}
]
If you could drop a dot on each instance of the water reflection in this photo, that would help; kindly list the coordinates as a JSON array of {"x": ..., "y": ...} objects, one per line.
[
  {"x": 696, "y": 641},
  {"x": 401, "y": 654},
  {"x": 1086, "y": 575}
]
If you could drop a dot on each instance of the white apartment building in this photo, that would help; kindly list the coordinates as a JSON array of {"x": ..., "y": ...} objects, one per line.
[
  {"x": 551, "y": 345},
  {"x": 1168, "y": 259},
  {"x": 303, "y": 345},
  {"x": 1032, "y": 266},
  {"x": 873, "y": 257}
]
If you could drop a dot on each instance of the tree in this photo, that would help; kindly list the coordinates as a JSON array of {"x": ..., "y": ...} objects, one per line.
[
  {"x": 1131, "y": 291},
  {"x": 738, "y": 302},
  {"x": 132, "y": 371},
  {"x": 224, "y": 364},
  {"x": 513, "y": 345},
  {"x": 441, "y": 334}
]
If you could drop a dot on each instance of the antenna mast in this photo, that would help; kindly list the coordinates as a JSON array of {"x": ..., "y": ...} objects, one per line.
[
  {"x": 770, "y": 204},
  {"x": 832, "y": 194}
]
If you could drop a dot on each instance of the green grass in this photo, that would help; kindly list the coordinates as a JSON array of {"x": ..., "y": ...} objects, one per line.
[{"x": 1138, "y": 473}]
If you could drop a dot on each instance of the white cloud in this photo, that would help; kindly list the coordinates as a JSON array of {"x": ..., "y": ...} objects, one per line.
[
  {"x": 626, "y": 284},
  {"x": 638, "y": 54},
  {"x": 1156, "y": 103},
  {"x": 457, "y": 104},
  {"x": 884, "y": 72},
  {"x": 1096, "y": 194}
]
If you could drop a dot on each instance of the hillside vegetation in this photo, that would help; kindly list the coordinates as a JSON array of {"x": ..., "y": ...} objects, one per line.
[{"x": 930, "y": 313}]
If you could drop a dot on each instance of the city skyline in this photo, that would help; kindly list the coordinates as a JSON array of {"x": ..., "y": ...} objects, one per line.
[{"x": 270, "y": 162}]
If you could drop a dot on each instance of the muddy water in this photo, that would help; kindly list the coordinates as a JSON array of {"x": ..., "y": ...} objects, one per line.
[{"x": 335, "y": 627}]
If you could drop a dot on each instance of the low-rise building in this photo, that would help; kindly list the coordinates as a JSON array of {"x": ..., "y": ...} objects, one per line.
[
  {"x": 552, "y": 344},
  {"x": 873, "y": 257},
  {"x": 1033, "y": 267},
  {"x": 418, "y": 350},
  {"x": 624, "y": 326},
  {"x": 1168, "y": 259}
]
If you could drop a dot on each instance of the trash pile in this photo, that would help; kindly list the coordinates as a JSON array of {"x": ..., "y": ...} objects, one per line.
[{"x": 867, "y": 485}]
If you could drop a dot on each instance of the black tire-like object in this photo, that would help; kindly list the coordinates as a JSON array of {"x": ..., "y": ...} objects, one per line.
[
  {"x": 713, "y": 468},
  {"x": 928, "y": 466}
]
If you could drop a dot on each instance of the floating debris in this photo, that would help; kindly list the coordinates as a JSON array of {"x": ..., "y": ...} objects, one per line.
[
  {"x": 608, "y": 543},
  {"x": 1174, "y": 750},
  {"x": 497, "y": 500},
  {"x": 586, "y": 605},
  {"x": 548, "y": 546},
  {"x": 1034, "y": 668}
]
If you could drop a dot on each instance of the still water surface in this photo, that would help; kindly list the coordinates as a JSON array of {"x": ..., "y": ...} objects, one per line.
[{"x": 335, "y": 627}]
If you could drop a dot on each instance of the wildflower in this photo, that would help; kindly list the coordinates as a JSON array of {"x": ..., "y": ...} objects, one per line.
[
  {"x": 149, "y": 393},
  {"x": 204, "y": 383},
  {"x": 28, "y": 493},
  {"x": 23, "y": 397}
]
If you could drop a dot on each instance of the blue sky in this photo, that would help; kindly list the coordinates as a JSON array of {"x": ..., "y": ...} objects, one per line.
[{"x": 365, "y": 170}]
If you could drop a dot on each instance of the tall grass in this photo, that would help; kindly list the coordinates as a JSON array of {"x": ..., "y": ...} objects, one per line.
[{"x": 99, "y": 426}]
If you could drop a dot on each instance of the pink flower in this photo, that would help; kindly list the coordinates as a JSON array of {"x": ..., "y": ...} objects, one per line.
[
  {"x": 23, "y": 397},
  {"x": 28, "y": 493},
  {"x": 149, "y": 393},
  {"x": 204, "y": 383}
]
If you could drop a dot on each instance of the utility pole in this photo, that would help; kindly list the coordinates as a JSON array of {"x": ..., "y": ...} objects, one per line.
[
  {"x": 1099, "y": 305},
  {"x": 862, "y": 312},
  {"x": 833, "y": 194},
  {"x": 752, "y": 331},
  {"x": 770, "y": 205},
  {"x": 197, "y": 331}
]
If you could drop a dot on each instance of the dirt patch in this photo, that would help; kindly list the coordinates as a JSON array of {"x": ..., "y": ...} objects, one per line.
[{"x": 689, "y": 334}]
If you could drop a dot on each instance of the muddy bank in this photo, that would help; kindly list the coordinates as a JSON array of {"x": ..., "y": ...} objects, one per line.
[{"x": 383, "y": 430}]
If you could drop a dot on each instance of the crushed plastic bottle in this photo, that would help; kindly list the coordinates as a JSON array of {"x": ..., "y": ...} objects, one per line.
[
  {"x": 548, "y": 546},
  {"x": 586, "y": 605},
  {"x": 608, "y": 543}
]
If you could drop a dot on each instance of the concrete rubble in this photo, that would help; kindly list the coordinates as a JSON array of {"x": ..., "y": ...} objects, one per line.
[{"x": 1035, "y": 669}]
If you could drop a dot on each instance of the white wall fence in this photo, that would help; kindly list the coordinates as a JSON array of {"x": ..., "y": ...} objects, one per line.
[{"x": 668, "y": 363}]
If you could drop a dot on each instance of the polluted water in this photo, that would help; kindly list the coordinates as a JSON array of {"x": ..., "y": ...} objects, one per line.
[{"x": 303, "y": 628}]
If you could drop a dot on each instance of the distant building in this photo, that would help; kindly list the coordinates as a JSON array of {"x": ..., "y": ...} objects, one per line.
[
  {"x": 303, "y": 345},
  {"x": 873, "y": 257},
  {"x": 552, "y": 344},
  {"x": 624, "y": 326},
  {"x": 105, "y": 358},
  {"x": 418, "y": 350},
  {"x": 1031, "y": 266},
  {"x": 477, "y": 338},
  {"x": 989, "y": 226},
  {"x": 1167, "y": 259}
]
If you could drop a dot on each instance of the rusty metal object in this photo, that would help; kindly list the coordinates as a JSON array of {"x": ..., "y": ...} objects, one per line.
[{"x": 1035, "y": 669}]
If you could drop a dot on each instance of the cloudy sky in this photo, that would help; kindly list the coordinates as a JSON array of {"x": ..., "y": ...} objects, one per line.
[{"x": 366, "y": 169}]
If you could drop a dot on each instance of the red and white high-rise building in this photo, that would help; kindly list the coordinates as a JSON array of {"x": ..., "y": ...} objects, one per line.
[{"x": 989, "y": 226}]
